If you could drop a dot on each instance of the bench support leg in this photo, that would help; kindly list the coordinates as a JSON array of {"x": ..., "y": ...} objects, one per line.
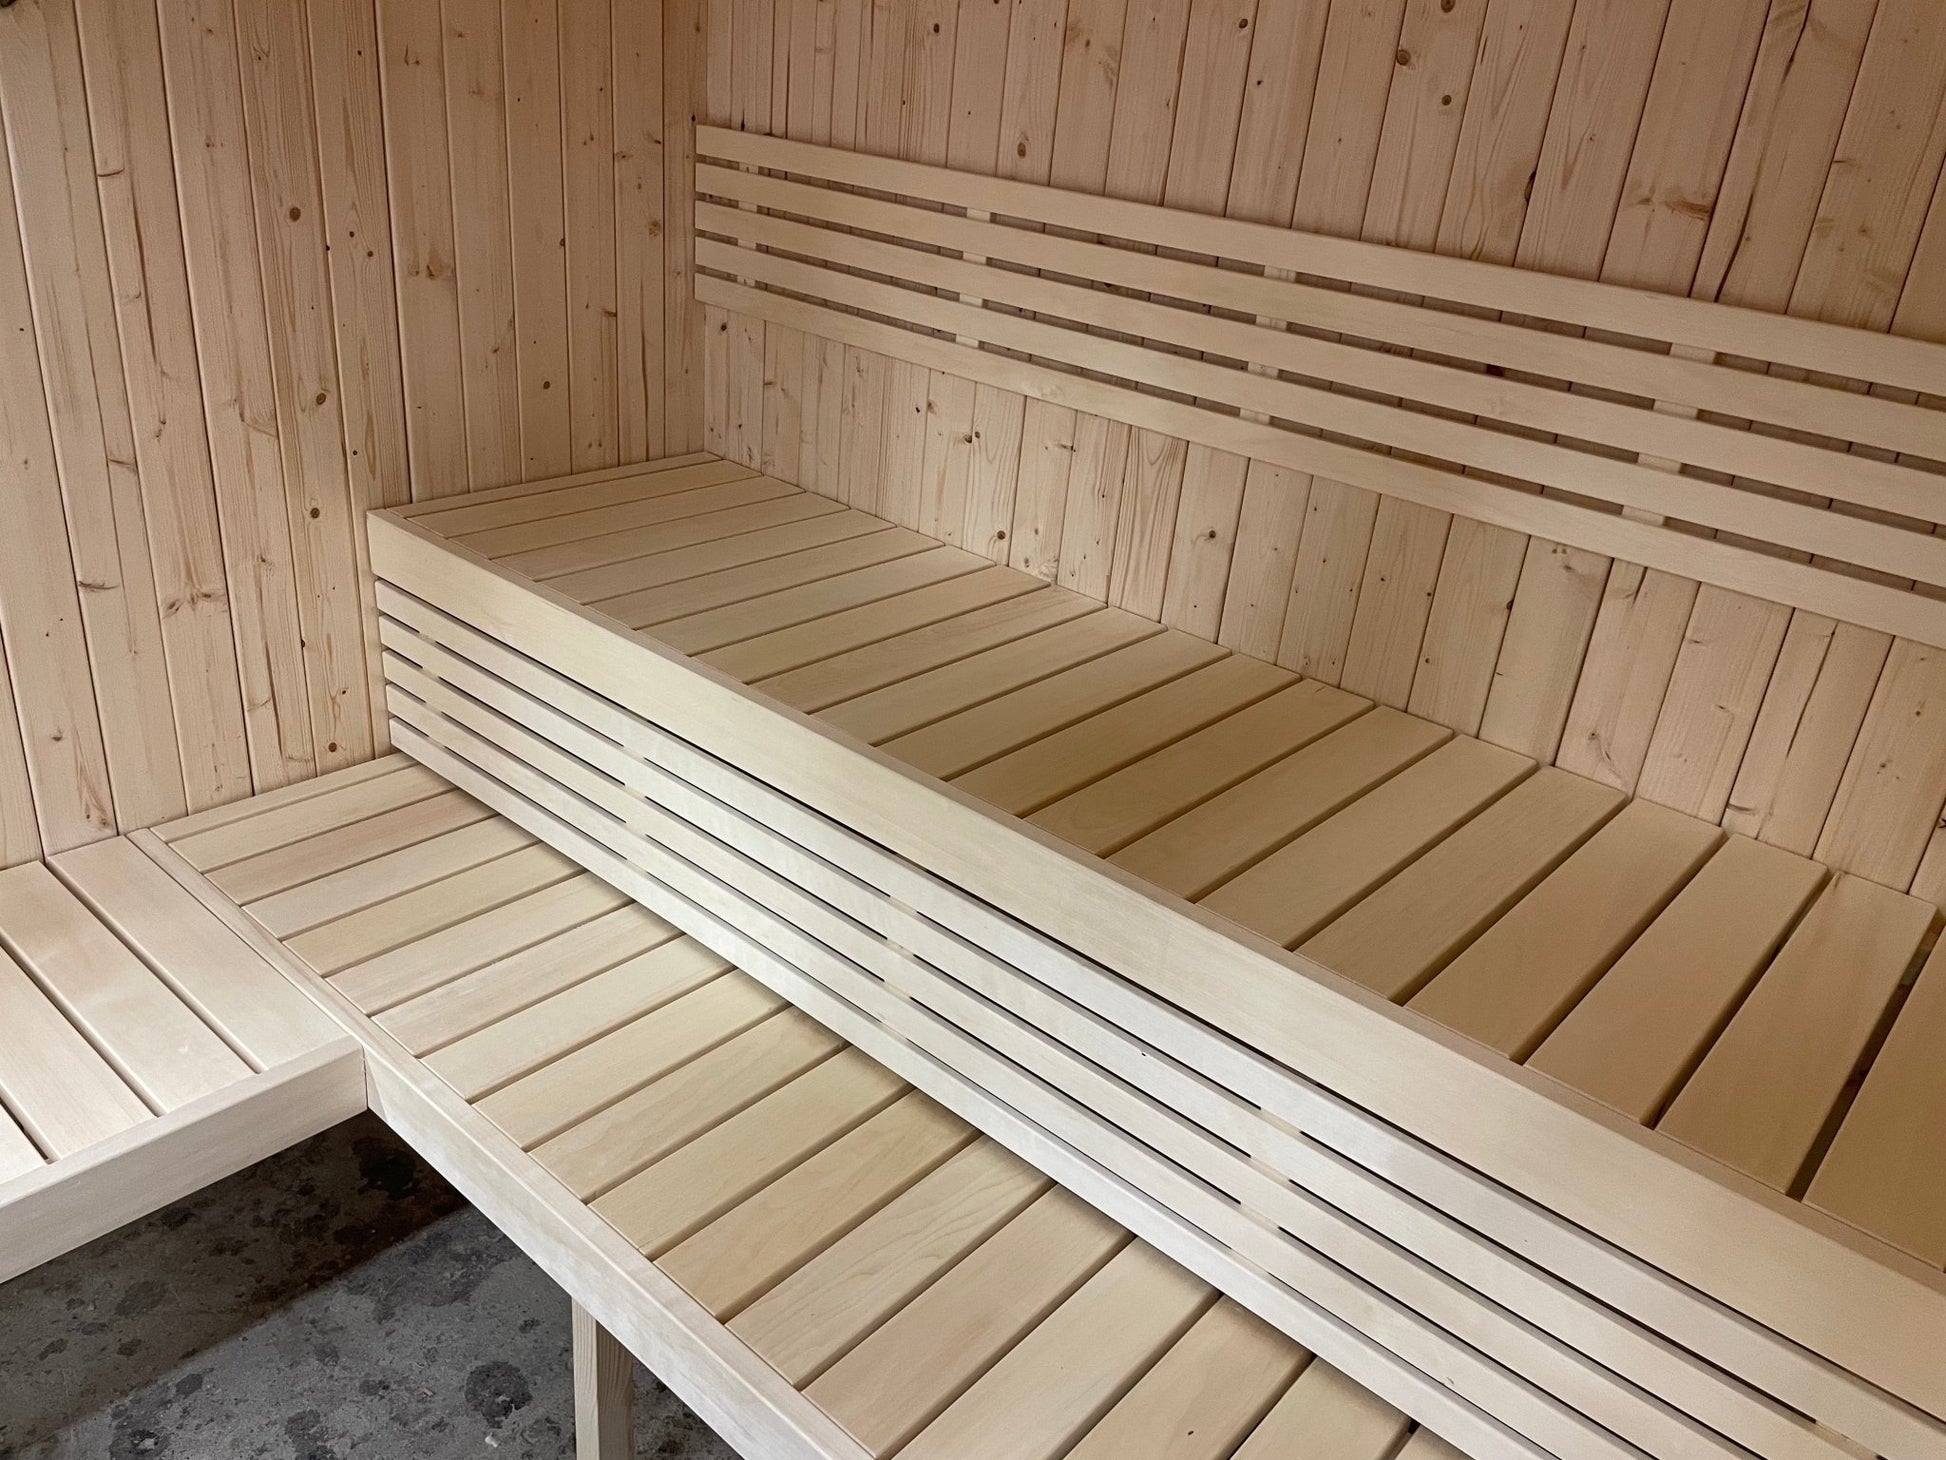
[{"x": 604, "y": 1393}]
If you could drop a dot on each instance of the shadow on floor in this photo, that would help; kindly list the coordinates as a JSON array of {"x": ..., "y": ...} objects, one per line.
[{"x": 338, "y": 1300}]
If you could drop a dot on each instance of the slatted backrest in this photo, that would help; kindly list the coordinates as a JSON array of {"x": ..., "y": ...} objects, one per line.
[{"x": 1792, "y": 460}]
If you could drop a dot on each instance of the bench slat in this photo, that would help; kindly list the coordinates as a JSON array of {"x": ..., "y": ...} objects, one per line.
[
  {"x": 154, "y": 1040},
  {"x": 334, "y": 849},
  {"x": 722, "y": 512},
  {"x": 824, "y": 547},
  {"x": 562, "y": 541},
  {"x": 1640, "y": 1031},
  {"x": 64, "y": 1094},
  {"x": 1324, "y": 1413},
  {"x": 1299, "y": 888},
  {"x": 328, "y": 810},
  {"x": 1762, "y": 1094}
]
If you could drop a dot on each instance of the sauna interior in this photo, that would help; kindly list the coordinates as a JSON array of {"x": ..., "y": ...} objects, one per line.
[{"x": 1112, "y": 729}]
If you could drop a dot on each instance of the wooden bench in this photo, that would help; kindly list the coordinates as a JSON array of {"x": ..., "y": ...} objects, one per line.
[
  {"x": 813, "y": 1254},
  {"x": 145, "y": 1051}
]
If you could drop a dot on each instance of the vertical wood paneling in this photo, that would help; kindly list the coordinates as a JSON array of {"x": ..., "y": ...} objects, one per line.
[
  {"x": 267, "y": 265},
  {"x": 1769, "y": 153}
]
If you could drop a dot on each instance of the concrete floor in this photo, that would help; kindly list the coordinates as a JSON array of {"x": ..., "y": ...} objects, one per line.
[{"x": 338, "y": 1300}]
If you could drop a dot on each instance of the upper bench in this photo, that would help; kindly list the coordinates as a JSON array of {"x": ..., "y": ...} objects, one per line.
[{"x": 1381, "y": 1028}]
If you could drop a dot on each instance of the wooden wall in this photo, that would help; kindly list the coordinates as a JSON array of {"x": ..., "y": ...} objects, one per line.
[
  {"x": 1775, "y": 154},
  {"x": 278, "y": 261}
]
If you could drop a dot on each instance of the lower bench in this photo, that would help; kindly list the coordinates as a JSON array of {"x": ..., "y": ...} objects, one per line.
[
  {"x": 145, "y": 1051},
  {"x": 815, "y": 1256}
]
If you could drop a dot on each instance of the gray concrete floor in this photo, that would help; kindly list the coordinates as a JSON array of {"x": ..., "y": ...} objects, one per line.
[{"x": 338, "y": 1300}]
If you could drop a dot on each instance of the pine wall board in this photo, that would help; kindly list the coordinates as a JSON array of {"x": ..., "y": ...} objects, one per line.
[
  {"x": 269, "y": 263},
  {"x": 1776, "y": 154}
]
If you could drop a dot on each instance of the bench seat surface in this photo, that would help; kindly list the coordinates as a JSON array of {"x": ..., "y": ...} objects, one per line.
[
  {"x": 1725, "y": 992},
  {"x": 909, "y": 1277},
  {"x": 147, "y": 1050}
]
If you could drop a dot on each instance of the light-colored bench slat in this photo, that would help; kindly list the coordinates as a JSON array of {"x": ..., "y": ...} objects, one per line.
[
  {"x": 222, "y": 979},
  {"x": 614, "y": 1143},
  {"x": 17, "y": 1153},
  {"x": 335, "y": 809},
  {"x": 901, "y": 708},
  {"x": 1763, "y": 1092},
  {"x": 1060, "y": 764},
  {"x": 474, "y": 519},
  {"x": 890, "y": 1385},
  {"x": 856, "y": 541},
  {"x": 949, "y": 747},
  {"x": 571, "y": 1089},
  {"x": 64, "y": 1094},
  {"x": 820, "y": 1311},
  {"x": 1514, "y": 984},
  {"x": 1112, "y": 812},
  {"x": 363, "y": 935},
  {"x": 1414, "y": 924},
  {"x": 251, "y": 807},
  {"x": 357, "y": 887},
  {"x": 1202, "y": 1399},
  {"x": 1325, "y": 1414},
  {"x": 818, "y": 674},
  {"x": 626, "y": 561},
  {"x": 721, "y": 512},
  {"x": 493, "y": 507},
  {"x": 475, "y": 1000},
  {"x": 401, "y": 974},
  {"x": 1886, "y": 1169},
  {"x": 334, "y": 850},
  {"x": 788, "y": 608},
  {"x": 1211, "y": 843},
  {"x": 155, "y": 1041},
  {"x": 523, "y": 1042},
  {"x": 553, "y": 544},
  {"x": 767, "y": 1236},
  {"x": 1640, "y": 1031},
  {"x": 688, "y": 580},
  {"x": 1299, "y": 888},
  {"x": 1045, "y": 1395},
  {"x": 660, "y": 1206}
]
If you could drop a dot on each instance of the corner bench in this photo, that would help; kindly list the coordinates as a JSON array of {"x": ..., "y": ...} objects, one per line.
[
  {"x": 145, "y": 1051},
  {"x": 815, "y": 1256},
  {"x": 1506, "y": 1094}
]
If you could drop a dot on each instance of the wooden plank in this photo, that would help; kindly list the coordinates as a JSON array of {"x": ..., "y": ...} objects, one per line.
[
  {"x": 877, "y": 662},
  {"x": 588, "y": 202},
  {"x": 570, "y": 494},
  {"x": 1116, "y": 809},
  {"x": 393, "y": 977},
  {"x": 231, "y": 989},
  {"x": 857, "y": 1283},
  {"x": 839, "y": 542},
  {"x": 604, "y": 1392},
  {"x": 1401, "y": 935},
  {"x": 1204, "y": 1397},
  {"x": 954, "y": 1331},
  {"x": 764, "y": 1238},
  {"x": 1763, "y": 1092},
  {"x": 1211, "y": 843},
  {"x": 347, "y": 846},
  {"x": 1882, "y": 1171},
  {"x": 825, "y": 598},
  {"x": 544, "y": 1031},
  {"x": 950, "y": 747},
  {"x": 614, "y": 1143},
  {"x": 286, "y": 795},
  {"x": 155, "y": 1042},
  {"x": 1324, "y": 1413},
  {"x": 1296, "y": 890},
  {"x": 714, "y": 530},
  {"x": 1049, "y": 1389},
  {"x": 563, "y": 543},
  {"x": 1638, "y": 1034},
  {"x": 566, "y": 1092},
  {"x": 641, "y": 223},
  {"x": 1057, "y": 765},
  {"x": 20, "y": 833},
  {"x": 64, "y": 1094},
  {"x": 678, "y": 1195},
  {"x": 362, "y": 885},
  {"x": 899, "y": 709},
  {"x": 1522, "y": 976},
  {"x": 18, "y": 1155},
  {"x": 1890, "y": 796},
  {"x": 504, "y": 988},
  {"x": 259, "y": 829},
  {"x": 360, "y": 936}
]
